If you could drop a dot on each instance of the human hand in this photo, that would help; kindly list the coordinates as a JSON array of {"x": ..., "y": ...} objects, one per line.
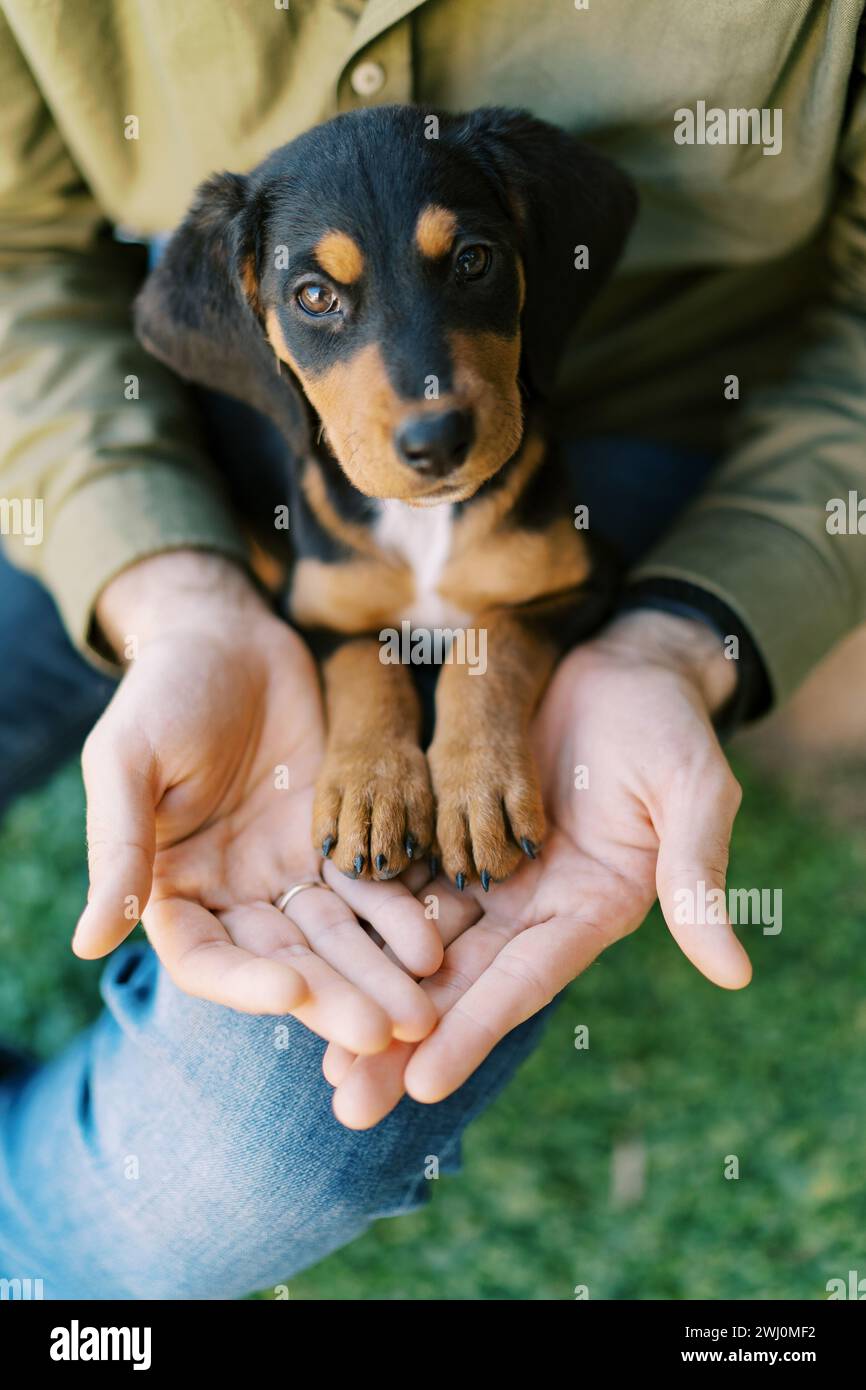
[
  {"x": 199, "y": 784},
  {"x": 633, "y": 707}
]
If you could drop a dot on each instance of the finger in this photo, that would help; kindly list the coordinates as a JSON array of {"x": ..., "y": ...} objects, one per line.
[
  {"x": 337, "y": 937},
  {"x": 371, "y": 1088},
  {"x": 201, "y": 958},
  {"x": 121, "y": 839},
  {"x": 417, "y": 876},
  {"x": 398, "y": 917},
  {"x": 694, "y": 830},
  {"x": 334, "y": 1007},
  {"x": 459, "y": 913},
  {"x": 492, "y": 991},
  {"x": 336, "y": 1063},
  {"x": 451, "y": 911},
  {"x": 370, "y": 1095}
]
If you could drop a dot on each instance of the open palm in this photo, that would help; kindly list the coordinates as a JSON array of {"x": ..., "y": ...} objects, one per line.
[
  {"x": 199, "y": 780},
  {"x": 641, "y": 802}
]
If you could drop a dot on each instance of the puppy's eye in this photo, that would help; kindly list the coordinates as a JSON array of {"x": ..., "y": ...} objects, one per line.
[
  {"x": 317, "y": 300},
  {"x": 472, "y": 262}
]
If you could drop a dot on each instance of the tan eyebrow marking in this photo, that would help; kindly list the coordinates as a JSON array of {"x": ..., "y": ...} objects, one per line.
[
  {"x": 435, "y": 231},
  {"x": 340, "y": 256}
]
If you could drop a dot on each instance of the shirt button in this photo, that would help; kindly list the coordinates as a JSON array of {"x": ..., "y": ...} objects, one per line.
[{"x": 367, "y": 79}]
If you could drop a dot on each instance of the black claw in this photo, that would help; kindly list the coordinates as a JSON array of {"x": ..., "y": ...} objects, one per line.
[
  {"x": 411, "y": 846},
  {"x": 485, "y": 880},
  {"x": 435, "y": 866},
  {"x": 381, "y": 861},
  {"x": 327, "y": 846},
  {"x": 358, "y": 863},
  {"x": 529, "y": 847},
  {"x": 460, "y": 880}
]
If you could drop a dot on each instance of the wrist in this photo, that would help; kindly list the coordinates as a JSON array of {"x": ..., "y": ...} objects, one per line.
[
  {"x": 177, "y": 590},
  {"x": 685, "y": 645}
]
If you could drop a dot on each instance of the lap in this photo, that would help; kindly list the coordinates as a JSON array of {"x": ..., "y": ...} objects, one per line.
[{"x": 180, "y": 1150}]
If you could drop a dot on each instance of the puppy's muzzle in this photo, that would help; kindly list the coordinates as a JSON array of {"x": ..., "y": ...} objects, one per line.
[{"x": 435, "y": 445}]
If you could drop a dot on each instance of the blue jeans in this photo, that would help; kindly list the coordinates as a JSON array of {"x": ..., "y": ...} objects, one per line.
[{"x": 174, "y": 1150}]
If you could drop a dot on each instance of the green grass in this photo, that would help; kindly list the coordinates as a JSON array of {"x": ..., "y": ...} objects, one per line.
[{"x": 678, "y": 1075}]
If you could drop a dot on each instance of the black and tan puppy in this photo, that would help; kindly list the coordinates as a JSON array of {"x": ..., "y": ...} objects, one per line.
[{"x": 394, "y": 290}]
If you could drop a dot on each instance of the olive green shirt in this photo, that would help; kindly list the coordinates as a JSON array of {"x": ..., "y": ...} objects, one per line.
[{"x": 738, "y": 318}]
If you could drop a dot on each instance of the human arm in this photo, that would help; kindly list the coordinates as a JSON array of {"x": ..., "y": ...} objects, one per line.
[
  {"x": 92, "y": 429},
  {"x": 760, "y": 539}
]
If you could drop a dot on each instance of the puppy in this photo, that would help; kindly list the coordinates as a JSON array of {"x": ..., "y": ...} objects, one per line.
[{"x": 394, "y": 290}]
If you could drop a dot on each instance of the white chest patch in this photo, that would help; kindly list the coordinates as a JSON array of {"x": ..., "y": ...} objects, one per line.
[{"x": 421, "y": 538}]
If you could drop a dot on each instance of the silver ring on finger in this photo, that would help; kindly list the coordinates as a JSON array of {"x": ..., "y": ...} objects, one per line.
[{"x": 284, "y": 899}]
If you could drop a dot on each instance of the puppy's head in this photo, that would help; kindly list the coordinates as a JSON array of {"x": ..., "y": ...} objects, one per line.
[{"x": 406, "y": 271}]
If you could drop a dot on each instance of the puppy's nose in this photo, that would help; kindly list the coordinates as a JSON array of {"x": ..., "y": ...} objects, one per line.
[{"x": 435, "y": 444}]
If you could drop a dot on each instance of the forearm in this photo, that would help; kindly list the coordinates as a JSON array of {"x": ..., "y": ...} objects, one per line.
[
  {"x": 774, "y": 537},
  {"x": 177, "y": 590},
  {"x": 114, "y": 479},
  {"x": 99, "y": 449}
]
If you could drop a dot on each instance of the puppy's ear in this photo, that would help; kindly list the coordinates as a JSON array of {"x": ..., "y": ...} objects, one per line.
[
  {"x": 562, "y": 195},
  {"x": 198, "y": 310}
]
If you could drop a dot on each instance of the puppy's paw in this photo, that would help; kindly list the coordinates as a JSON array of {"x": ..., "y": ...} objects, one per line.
[
  {"x": 373, "y": 809},
  {"x": 489, "y": 813}
]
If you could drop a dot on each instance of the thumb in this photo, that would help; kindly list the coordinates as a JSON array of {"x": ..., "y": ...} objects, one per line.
[
  {"x": 695, "y": 833},
  {"x": 118, "y": 770}
]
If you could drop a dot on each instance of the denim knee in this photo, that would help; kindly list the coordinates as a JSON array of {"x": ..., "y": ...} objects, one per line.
[
  {"x": 181, "y": 1150},
  {"x": 235, "y": 1171}
]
